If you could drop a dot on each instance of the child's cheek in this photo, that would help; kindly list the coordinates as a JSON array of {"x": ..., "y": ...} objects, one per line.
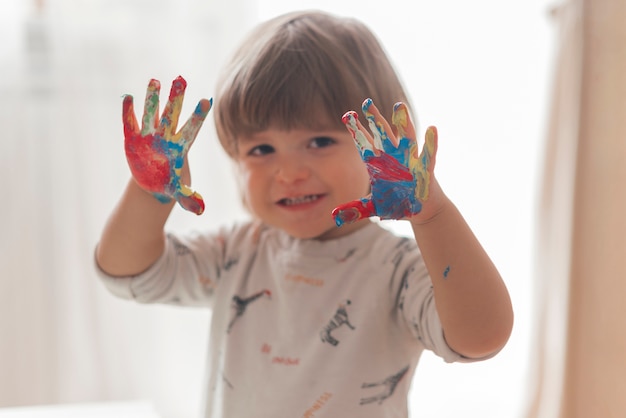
[{"x": 243, "y": 183}]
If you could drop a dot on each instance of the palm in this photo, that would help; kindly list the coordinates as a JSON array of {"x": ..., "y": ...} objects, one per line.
[
  {"x": 399, "y": 175},
  {"x": 156, "y": 152}
]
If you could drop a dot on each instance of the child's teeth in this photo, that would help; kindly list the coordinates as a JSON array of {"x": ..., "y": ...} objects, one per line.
[{"x": 300, "y": 200}]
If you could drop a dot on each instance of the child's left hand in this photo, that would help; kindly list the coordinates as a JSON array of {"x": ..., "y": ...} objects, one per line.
[{"x": 400, "y": 178}]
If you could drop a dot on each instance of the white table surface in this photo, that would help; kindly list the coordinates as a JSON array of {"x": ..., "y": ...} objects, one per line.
[{"x": 134, "y": 409}]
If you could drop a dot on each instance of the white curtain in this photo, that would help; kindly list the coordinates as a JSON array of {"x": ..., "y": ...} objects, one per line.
[
  {"x": 555, "y": 215},
  {"x": 474, "y": 69},
  {"x": 580, "y": 360}
]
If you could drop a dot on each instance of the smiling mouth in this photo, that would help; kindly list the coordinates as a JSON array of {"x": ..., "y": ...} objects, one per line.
[{"x": 300, "y": 200}]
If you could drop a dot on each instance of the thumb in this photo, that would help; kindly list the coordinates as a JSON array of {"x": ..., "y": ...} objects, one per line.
[{"x": 353, "y": 211}]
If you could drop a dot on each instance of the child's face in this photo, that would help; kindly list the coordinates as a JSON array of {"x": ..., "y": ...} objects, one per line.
[{"x": 293, "y": 179}]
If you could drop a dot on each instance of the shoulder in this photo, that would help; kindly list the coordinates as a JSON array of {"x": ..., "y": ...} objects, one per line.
[
  {"x": 394, "y": 259},
  {"x": 212, "y": 242},
  {"x": 386, "y": 244}
]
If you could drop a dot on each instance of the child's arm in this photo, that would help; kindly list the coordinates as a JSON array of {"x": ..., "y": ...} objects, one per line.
[
  {"x": 471, "y": 298},
  {"x": 133, "y": 237}
]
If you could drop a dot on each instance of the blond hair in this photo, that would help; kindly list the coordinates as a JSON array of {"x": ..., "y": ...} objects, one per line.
[{"x": 302, "y": 70}]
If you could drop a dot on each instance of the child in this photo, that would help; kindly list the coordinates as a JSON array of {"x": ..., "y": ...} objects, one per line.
[{"x": 309, "y": 318}]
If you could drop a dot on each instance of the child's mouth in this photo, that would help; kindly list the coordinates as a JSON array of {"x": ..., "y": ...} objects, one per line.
[{"x": 300, "y": 200}]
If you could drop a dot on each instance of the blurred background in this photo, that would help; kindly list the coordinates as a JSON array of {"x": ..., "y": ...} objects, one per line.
[{"x": 483, "y": 72}]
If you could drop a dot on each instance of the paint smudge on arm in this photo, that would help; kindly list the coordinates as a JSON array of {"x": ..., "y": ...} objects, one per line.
[{"x": 446, "y": 272}]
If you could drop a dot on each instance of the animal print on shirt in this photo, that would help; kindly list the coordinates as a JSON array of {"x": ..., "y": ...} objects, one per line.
[
  {"x": 240, "y": 304},
  {"x": 340, "y": 318},
  {"x": 389, "y": 384}
]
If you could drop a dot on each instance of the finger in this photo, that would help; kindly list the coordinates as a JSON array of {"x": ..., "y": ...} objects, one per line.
[
  {"x": 190, "y": 129},
  {"x": 151, "y": 108},
  {"x": 383, "y": 134},
  {"x": 129, "y": 119},
  {"x": 407, "y": 149},
  {"x": 362, "y": 139},
  {"x": 171, "y": 113},
  {"x": 426, "y": 165},
  {"x": 190, "y": 200},
  {"x": 353, "y": 211},
  {"x": 429, "y": 151},
  {"x": 401, "y": 119}
]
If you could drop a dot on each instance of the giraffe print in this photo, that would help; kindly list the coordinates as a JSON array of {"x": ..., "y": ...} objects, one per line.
[
  {"x": 240, "y": 304},
  {"x": 340, "y": 318},
  {"x": 389, "y": 384}
]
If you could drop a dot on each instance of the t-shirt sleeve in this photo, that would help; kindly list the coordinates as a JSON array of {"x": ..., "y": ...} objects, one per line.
[
  {"x": 416, "y": 303},
  {"x": 187, "y": 272}
]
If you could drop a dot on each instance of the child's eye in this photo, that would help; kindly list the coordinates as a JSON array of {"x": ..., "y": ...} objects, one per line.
[
  {"x": 322, "y": 141},
  {"x": 261, "y": 150}
]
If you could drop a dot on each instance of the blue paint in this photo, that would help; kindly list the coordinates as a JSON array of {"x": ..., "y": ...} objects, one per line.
[
  {"x": 200, "y": 110},
  {"x": 393, "y": 184},
  {"x": 399, "y": 179},
  {"x": 446, "y": 272}
]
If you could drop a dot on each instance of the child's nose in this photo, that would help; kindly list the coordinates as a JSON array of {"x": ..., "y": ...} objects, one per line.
[{"x": 291, "y": 170}]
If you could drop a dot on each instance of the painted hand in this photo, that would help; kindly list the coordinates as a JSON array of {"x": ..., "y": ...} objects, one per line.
[
  {"x": 400, "y": 178},
  {"x": 156, "y": 153}
]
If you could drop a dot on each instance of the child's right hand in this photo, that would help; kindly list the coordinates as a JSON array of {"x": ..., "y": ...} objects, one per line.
[{"x": 156, "y": 153}]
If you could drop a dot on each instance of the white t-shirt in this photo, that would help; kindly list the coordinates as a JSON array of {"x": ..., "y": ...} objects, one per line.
[{"x": 301, "y": 328}]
